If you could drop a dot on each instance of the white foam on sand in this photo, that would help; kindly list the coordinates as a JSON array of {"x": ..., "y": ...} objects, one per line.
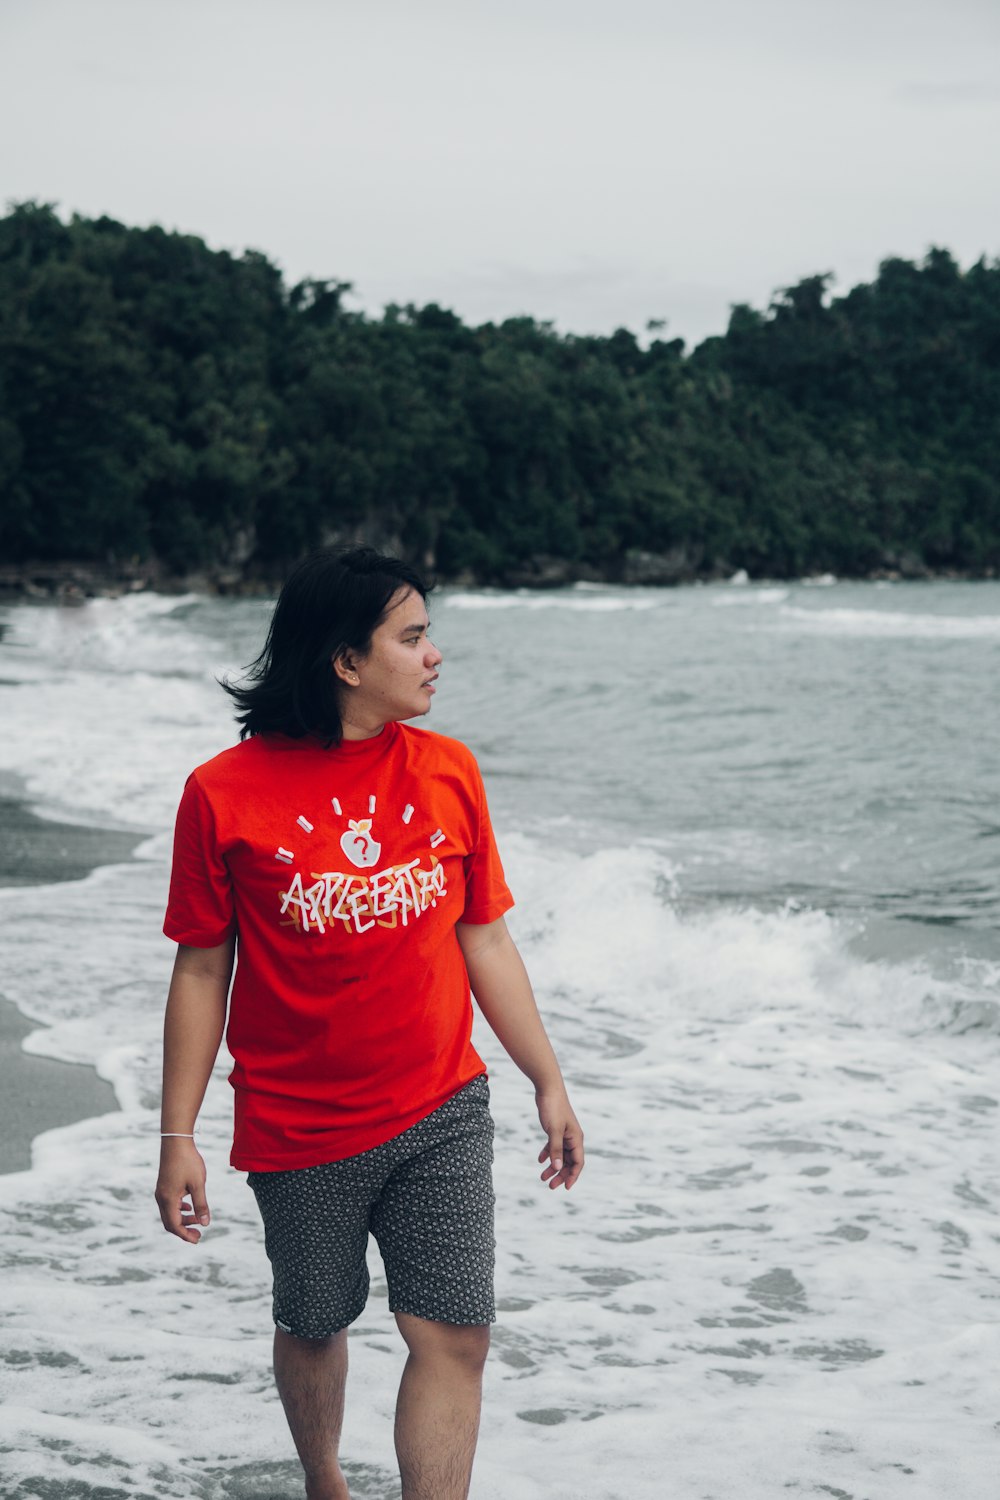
[{"x": 776, "y": 1275}]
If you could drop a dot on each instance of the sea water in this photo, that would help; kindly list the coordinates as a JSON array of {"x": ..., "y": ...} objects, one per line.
[{"x": 753, "y": 833}]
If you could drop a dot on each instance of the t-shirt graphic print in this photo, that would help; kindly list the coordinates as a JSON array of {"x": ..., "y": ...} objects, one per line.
[{"x": 359, "y": 900}]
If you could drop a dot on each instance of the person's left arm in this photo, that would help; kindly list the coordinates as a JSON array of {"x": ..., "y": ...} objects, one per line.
[{"x": 503, "y": 992}]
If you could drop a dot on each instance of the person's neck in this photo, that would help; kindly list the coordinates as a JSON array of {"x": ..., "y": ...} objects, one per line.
[{"x": 361, "y": 729}]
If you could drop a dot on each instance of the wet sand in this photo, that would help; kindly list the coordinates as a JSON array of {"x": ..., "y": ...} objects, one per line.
[
  {"x": 37, "y": 1093},
  {"x": 37, "y": 851}
]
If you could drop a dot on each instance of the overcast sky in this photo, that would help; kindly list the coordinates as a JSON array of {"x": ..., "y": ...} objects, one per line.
[{"x": 593, "y": 162}]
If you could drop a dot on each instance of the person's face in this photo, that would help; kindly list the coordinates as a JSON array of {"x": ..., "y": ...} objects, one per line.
[{"x": 395, "y": 679}]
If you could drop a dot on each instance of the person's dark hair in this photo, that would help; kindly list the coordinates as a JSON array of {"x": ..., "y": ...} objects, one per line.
[{"x": 331, "y": 602}]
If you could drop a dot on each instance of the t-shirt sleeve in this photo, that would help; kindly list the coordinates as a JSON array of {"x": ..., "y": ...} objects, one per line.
[
  {"x": 487, "y": 895},
  {"x": 200, "y": 910}
]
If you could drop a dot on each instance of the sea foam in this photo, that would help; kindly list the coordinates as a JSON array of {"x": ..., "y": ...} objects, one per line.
[
  {"x": 777, "y": 1274},
  {"x": 770, "y": 1149}
]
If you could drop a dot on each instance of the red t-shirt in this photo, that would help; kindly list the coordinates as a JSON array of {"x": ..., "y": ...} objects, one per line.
[{"x": 343, "y": 872}]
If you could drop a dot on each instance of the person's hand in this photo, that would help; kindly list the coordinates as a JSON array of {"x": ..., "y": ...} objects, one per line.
[
  {"x": 180, "y": 1189},
  {"x": 564, "y": 1148}
]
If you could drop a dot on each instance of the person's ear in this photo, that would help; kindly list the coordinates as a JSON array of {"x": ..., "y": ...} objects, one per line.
[{"x": 346, "y": 669}]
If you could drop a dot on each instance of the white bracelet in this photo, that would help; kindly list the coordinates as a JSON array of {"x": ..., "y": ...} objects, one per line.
[{"x": 177, "y": 1134}]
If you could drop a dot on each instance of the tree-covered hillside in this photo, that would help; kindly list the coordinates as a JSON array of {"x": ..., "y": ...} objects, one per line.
[{"x": 160, "y": 400}]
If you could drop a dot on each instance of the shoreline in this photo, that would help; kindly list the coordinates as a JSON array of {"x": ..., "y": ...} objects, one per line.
[
  {"x": 72, "y": 582},
  {"x": 44, "y": 851},
  {"x": 42, "y": 1093}
]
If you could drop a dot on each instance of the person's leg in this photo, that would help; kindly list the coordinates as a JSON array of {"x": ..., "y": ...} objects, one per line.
[
  {"x": 437, "y": 1414},
  {"x": 310, "y": 1375},
  {"x": 315, "y": 1234},
  {"x": 434, "y": 1225}
]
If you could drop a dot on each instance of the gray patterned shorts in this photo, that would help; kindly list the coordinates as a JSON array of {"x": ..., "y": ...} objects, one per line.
[{"x": 426, "y": 1196}]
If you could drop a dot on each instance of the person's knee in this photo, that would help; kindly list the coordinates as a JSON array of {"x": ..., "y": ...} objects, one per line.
[
  {"x": 471, "y": 1345},
  {"x": 464, "y": 1344},
  {"x": 300, "y": 1345}
]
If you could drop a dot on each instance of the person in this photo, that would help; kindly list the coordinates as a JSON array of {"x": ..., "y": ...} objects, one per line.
[{"x": 346, "y": 858}]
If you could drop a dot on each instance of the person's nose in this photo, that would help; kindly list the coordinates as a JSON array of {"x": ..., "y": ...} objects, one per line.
[{"x": 433, "y": 658}]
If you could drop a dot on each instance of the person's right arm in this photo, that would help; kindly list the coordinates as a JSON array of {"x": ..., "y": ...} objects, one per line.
[{"x": 192, "y": 1034}]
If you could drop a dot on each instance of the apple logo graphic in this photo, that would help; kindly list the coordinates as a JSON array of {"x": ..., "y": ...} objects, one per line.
[{"x": 359, "y": 846}]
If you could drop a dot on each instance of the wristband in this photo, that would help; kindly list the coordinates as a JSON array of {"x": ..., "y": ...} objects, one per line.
[{"x": 177, "y": 1134}]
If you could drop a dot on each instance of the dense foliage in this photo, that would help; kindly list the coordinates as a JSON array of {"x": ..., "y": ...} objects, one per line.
[{"x": 162, "y": 400}]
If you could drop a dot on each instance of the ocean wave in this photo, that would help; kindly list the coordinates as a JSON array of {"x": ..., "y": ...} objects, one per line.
[
  {"x": 614, "y": 923},
  {"x": 871, "y": 622},
  {"x": 575, "y": 602},
  {"x": 752, "y": 596},
  {"x": 108, "y": 707},
  {"x": 111, "y": 746},
  {"x": 145, "y": 632}
]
